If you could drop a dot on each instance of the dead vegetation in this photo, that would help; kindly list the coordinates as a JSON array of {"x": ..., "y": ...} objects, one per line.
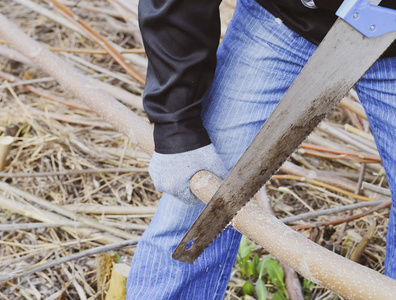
[{"x": 69, "y": 173}]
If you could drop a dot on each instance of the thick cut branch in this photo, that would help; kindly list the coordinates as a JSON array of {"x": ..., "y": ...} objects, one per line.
[
  {"x": 80, "y": 86},
  {"x": 316, "y": 263},
  {"x": 337, "y": 273}
]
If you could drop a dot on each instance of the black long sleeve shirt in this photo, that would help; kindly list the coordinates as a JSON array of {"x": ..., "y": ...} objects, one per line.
[{"x": 181, "y": 39}]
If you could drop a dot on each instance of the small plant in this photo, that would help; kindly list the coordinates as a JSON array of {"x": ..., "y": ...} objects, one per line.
[
  {"x": 262, "y": 275},
  {"x": 307, "y": 289},
  {"x": 117, "y": 257}
]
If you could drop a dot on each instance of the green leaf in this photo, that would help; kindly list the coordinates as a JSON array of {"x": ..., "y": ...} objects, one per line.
[
  {"x": 251, "y": 268},
  {"x": 117, "y": 257},
  {"x": 275, "y": 273},
  {"x": 241, "y": 266},
  {"x": 239, "y": 261},
  {"x": 307, "y": 288},
  {"x": 243, "y": 244},
  {"x": 279, "y": 295},
  {"x": 248, "y": 288},
  {"x": 261, "y": 290},
  {"x": 256, "y": 260},
  {"x": 244, "y": 248},
  {"x": 262, "y": 266},
  {"x": 308, "y": 283}
]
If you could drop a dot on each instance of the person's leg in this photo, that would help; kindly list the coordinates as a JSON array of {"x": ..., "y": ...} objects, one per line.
[
  {"x": 257, "y": 61},
  {"x": 377, "y": 92},
  {"x": 155, "y": 275}
]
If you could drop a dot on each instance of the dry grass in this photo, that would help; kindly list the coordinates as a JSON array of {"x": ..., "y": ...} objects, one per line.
[{"x": 53, "y": 137}]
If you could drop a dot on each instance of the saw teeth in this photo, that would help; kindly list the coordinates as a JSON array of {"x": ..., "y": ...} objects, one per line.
[
  {"x": 231, "y": 223},
  {"x": 309, "y": 95}
]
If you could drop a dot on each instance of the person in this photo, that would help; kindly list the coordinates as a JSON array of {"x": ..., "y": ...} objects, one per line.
[{"x": 207, "y": 108}]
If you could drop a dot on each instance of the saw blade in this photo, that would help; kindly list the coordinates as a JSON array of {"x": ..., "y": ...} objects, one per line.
[{"x": 338, "y": 63}]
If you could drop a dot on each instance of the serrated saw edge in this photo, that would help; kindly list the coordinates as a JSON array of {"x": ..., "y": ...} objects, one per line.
[{"x": 338, "y": 63}]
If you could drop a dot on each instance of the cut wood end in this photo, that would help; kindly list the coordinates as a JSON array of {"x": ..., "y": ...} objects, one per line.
[{"x": 6, "y": 140}]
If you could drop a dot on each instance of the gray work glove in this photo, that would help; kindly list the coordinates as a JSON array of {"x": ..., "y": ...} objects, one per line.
[{"x": 171, "y": 173}]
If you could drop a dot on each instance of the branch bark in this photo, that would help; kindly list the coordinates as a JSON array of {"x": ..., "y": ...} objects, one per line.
[
  {"x": 346, "y": 278},
  {"x": 80, "y": 86},
  {"x": 316, "y": 263}
]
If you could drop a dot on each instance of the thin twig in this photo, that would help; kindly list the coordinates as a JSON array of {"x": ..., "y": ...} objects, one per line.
[
  {"x": 292, "y": 282},
  {"x": 358, "y": 191},
  {"x": 31, "y": 226},
  {"x": 69, "y": 119},
  {"x": 75, "y": 172},
  {"x": 49, "y": 217},
  {"x": 354, "y": 118},
  {"x": 102, "y": 42},
  {"x": 44, "y": 94},
  {"x": 376, "y": 189},
  {"x": 353, "y": 106},
  {"x": 93, "y": 251},
  {"x": 331, "y": 211},
  {"x": 25, "y": 82},
  {"x": 348, "y": 219},
  {"x": 49, "y": 14},
  {"x": 87, "y": 221},
  {"x": 319, "y": 175},
  {"x": 33, "y": 81},
  {"x": 362, "y": 172},
  {"x": 360, "y": 155},
  {"x": 97, "y": 209},
  {"x": 28, "y": 226},
  {"x": 121, "y": 10},
  {"x": 61, "y": 20},
  {"x": 99, "y": 69},
  {"x": 96, "y": 51},
  {"x": 57, "y": 99},
  {"x": 342, "y": 156},
  {"x": 93, "y": 8},
  {"x": 136, "y": 227},
  {"x": 11, "y": 52},
  {"x": 354, "y": 130},
  {"x": 343, "y": 135},
  {"x": 315, "y": 182},
  {"x": 129, "y": 5}
]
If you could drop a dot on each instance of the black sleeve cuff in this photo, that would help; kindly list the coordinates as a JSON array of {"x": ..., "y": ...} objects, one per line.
[
  {"x": 183, "y": 136},
  {"x": 335, "y": 4},
  {"x": 332, "y": 5},
  {"x": 388, "y": 4}
]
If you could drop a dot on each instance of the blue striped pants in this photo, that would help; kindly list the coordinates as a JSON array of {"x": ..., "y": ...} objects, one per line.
[{"x": 258, "y": 60}]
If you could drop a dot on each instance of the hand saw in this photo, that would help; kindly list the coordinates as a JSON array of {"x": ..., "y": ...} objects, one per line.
[{"x": 357, "y": 39}]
